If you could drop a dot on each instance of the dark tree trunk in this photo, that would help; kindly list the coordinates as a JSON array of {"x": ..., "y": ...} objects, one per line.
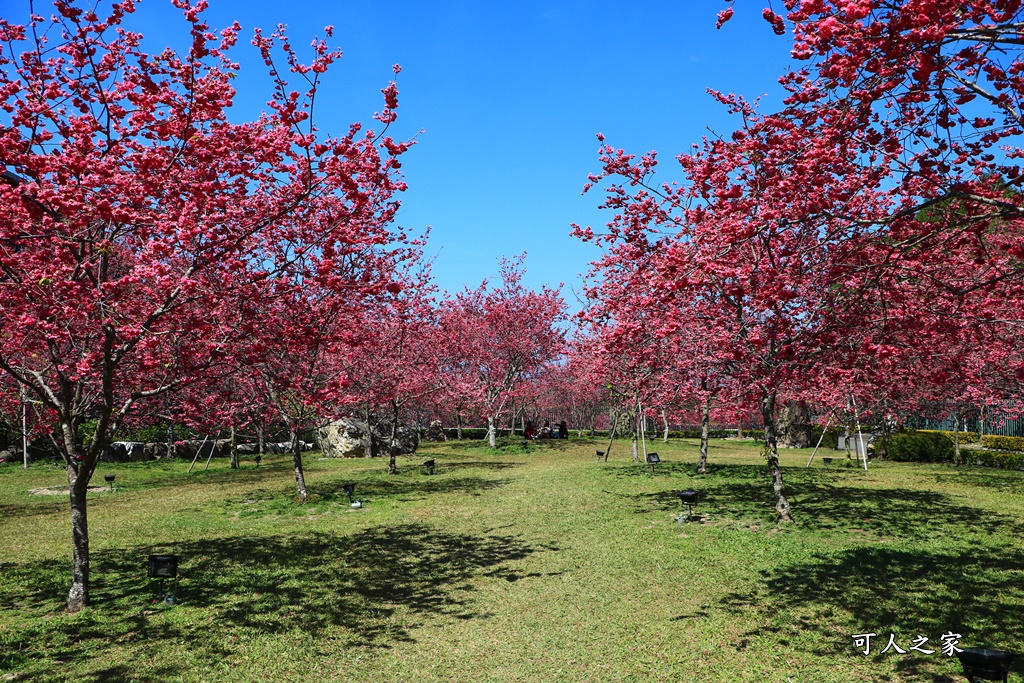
[
  {"x": 771, "y": 450},
  {"x": 636, "y": 433},
  {"x": 300, "y": 478},
  {"x": 261, "y": 437},
  {"x": 458, "y": 425},
  {"x": 393, "y": 441},
  {"x": 611, "y": 436},
  {"x": 739, "y": 428},
  {"x": 705, "y": 433}
]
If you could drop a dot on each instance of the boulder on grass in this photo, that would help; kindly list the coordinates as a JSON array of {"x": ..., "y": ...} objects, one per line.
[{"x": 346, "y": 438}]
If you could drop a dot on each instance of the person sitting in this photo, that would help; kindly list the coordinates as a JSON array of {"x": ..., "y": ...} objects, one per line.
[
  {"x": 545, "y": 431},
  {"x": 563, "y": 430},
  {"x": 530, "y": 432}
]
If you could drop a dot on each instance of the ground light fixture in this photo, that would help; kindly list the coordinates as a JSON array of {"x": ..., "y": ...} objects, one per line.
[
  {"x": 827, "y": 461},
  {"x": 429, "y": 466},
  {"x": 689, "y": 498},
  {"x": 349, "y": 489},
  {"x": 165, "y": 567},
  {"x": 109, "y": 478},
  {"x": 652, "y": 460},
  {"x": 600, "y": 454},
  {"x": 985, "y": 663}
]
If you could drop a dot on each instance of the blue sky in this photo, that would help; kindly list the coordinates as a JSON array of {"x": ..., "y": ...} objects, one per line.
[{"x": 509, "y": 98}]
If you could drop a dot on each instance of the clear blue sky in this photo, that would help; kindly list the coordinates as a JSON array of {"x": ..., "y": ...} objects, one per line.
[{"x": 509, "y": 97}]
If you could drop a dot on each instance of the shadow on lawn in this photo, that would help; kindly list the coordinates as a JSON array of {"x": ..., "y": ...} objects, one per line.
[
  {"x": 414, "y": 489},
  {"x": 377, "y": 587},
  {"x": 821, "y": 502},
  {"x": 972, "y": 589}
]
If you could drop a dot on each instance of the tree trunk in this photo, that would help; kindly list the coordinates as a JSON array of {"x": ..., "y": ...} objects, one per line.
[
  {"x": 78, "y": 486},
  {"x": 705, "y": 433},
  {"x": 369, "y": 446},
  {"x": 170, "y": 440},
  {"x": 957, "y": 460},
  {"x": 664, "y": 421},
  {"x": 611, "y": 437},
  {"x": 78, "y": 596},
  {"x": 458, "y": 425},
  {"x": 261, "y": 437},
  {"x": 393, "y": 441},
  {"x": 636, "y": 429},
  {"x": 771, "y": 447},
  {"x": 492, "y": 432},
  {"x": 234, "y": 450},
  {"x": 300, "y": 478},
  {"x": 739, "y": 428}
]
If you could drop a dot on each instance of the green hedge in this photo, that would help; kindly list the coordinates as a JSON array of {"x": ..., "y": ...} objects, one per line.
[
  {"x": 695, "y": 433},
  {"x": 1001, "y": 460},
  {"x": 1008, "y": 443},
  {"x": 916, "y": 447},
  {"x": 965, "y": 437}
]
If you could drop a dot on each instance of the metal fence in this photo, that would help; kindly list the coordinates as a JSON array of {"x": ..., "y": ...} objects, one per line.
[{"x": 994, "y": 424}]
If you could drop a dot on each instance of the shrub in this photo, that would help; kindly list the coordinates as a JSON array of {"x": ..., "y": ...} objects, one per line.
[
  {"x": 1009, "y": 443},
  {"x": 965, "y": 437},
  {"x": 695, "y": 433},
  {"x": 831, "y": 439},
  {"x": 916, "y": 447},
  {"x": 1002, "y": 460}
]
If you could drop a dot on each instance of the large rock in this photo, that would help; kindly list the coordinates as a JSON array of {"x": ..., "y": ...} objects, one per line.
[
  {"x": 125, "y": 451},
  {"x": 795, "y": 426},
  {"x": 9, "y": 455},
  {"x": 435, "y": 432},
  {"x": 346, "y": 438},
  {"x": 272, "y": 447}
]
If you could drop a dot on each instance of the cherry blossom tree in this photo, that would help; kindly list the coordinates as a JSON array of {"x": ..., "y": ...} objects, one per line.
[
  {"x": 135, "y": 215},
  {"x": 498, "y": 336}
]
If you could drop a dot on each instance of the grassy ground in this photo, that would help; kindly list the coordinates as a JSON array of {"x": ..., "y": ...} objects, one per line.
[{"x": 516, "y": 566}]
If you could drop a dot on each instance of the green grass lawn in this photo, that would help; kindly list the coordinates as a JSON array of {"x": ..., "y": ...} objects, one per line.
[{"x": 507, "y": 565}]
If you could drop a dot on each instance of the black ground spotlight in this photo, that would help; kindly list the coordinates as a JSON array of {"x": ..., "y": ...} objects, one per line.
[
  {"x": 429, "y": 466},
  {"x": 985, "y": 663},
  {"x": 164, "y": 567},
  {"x": 109, "y": 478},
  {"x": 349, "y": 489},
  {"x": 600, "y": 454},
  {"x": 689, "y": 498},
  {"x": 827, "y": 461},
  {"x": 524, "y": 444},
  {"x": 652, "y": 460}
]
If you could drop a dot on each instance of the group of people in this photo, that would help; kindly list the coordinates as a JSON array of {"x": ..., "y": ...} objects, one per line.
[{"x": 560, "y": 431}]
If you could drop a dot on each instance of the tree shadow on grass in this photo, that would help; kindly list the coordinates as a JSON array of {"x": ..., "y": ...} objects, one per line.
[
  {"x": 1008, "y": 481},
  {"x": 409, "y": 489},
  {"x": 822, "y": 503},
  {"x": 373, "y": 589},
  {"x": 493, "y": 465},
  {"x": 972, "y": 589}
]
